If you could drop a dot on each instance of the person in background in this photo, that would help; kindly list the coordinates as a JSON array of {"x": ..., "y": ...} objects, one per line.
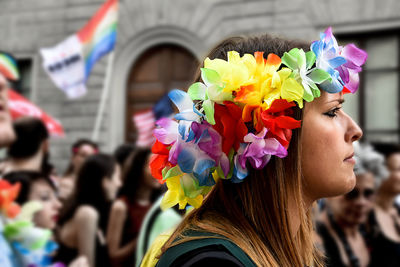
[
  {"x": 7, "y": 136},
  {"x": 36, "y": 186},
  {"x": 80, "y": 150},
  {"x": 341, "y": 226},
  {"x": 84, "y": 220},
  {"x": 137, "y": 194},
  {"x": 384, "y": 222},
  {"x": 157, "y": 226},
  {"x": 30, "y": 151},
  {"x": 122, "y": 152}
]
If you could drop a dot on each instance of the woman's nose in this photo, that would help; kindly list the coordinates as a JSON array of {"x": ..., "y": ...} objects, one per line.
[{"x": 353, "y": 132}]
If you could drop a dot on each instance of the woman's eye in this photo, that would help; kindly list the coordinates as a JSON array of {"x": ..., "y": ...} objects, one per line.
[
  {"x": 45, "y": 197},
  {"x": 332, "y": 113}
]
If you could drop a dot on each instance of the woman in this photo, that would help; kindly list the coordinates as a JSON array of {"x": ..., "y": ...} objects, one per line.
[
  {"x": 83, "y": 222},
  {"x": 136, "y": 197},
  {"x": 342, "y": 226},
  {"x": 80, "y": 150},
  {"x": 384, "y": 222},
  {"x": 36, "y": 186},
  {"x": 251, "y": 212}
]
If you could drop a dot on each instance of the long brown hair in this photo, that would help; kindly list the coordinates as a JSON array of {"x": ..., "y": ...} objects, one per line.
[{"x": 254, "y": 214}]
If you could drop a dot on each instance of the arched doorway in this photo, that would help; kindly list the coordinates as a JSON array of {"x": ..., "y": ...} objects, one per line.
[{"x": 157, "y": 71}]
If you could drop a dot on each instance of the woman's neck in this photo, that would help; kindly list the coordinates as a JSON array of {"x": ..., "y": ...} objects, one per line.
[
  {"x": 384, "y": 200},
  {"x": 33, "y": 163},
  {"x": 348, "y": 229}
]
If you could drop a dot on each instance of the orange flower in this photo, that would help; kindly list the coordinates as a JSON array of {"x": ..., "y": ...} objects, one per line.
[{"x": 8, "y": 193}]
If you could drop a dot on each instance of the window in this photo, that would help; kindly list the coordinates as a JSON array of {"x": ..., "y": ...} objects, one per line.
[
  {"x": 24, "y": 85},
  {"x": 376, "y": 105}
]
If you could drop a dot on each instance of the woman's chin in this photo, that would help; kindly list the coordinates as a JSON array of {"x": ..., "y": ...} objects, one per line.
[{"x": 338, "y": 188}]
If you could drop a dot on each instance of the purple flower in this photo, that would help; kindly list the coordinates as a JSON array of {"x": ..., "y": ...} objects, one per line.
[
  {"x": 355, "y": 58},
  {"x": 258, "y": 152},
  {"x": 210, "y": 142}
]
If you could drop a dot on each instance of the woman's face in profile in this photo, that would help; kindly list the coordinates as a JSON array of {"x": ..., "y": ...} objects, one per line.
[
  {"x": 392, "y": 184},
  {"x": 82, "y": 153},
  {"x": 327, "y": 150},
  {"x": 46, "y": 217}
]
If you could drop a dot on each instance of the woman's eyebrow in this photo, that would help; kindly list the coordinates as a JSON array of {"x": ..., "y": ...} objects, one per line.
[{"x": 340, "y": 100}]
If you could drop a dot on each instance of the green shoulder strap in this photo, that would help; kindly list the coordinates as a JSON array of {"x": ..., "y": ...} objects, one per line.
[{"x": 175, "y": 252}]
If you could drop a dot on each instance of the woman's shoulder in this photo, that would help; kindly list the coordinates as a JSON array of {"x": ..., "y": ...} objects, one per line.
[
  {"x": 119, "y": 206},
  {"x": 86, "y": 213},
  {"x": 210, "y": 249}
]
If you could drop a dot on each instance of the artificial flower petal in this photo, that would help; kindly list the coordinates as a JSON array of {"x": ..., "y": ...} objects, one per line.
[
  {"x": 168, "y": 132},
  {"x": 197, "y": 91},
  {"x": 208, "y": 106}
]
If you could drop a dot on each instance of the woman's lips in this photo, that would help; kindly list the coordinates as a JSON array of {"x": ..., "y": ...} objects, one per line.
[{"x": 350, "y": 159}]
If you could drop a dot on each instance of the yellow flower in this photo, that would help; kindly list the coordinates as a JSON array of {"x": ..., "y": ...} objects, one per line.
[
  {"x": 235, "y": 72},
  {"x": 176, "y": 194}
]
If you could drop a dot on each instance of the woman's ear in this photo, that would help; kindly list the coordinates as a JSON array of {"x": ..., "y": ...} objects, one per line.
[
  {"x": 105, "y": 182},
  {"x": 45, "y": 146}
]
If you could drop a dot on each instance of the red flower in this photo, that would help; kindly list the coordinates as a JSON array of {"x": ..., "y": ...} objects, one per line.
[
  {"x": 229, "y": 124},
  {"x": 278, "y": 122},
  {"x": 159, "y": 160}
]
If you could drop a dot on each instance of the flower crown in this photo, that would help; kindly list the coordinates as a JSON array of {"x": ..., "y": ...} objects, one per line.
[{"x": 243, "y": 114}]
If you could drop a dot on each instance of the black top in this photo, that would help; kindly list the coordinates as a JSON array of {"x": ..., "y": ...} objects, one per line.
[
  {"x": 212, "y": 255},
  {"x": 67, "y": 254},
  {"x": 384, "y": 252},
  {"x": 332, "y": 253},
  {"x": 207, "y": 251}
]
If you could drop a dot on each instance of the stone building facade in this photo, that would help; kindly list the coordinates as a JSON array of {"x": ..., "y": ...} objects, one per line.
[{"x": 173, "y": 35}]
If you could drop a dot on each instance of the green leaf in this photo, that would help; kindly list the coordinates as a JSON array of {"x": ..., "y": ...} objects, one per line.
[
  {"x": 310, "y": 59},
  {"x": 210, "y": 77},
  {"x": 230, "y": 157},
  {"x": 174, "y": 171},
  {"x": 208, "y": 107},
  {"x": 315, "y": 90},
  {"x": 190, "y": 186},
  {"x": 299, "y": 55},
  {"x": 318, "y": 76},
  {"x": 290, "y": 61},
  {"x": 307, "y": 95},
  {"x": 220, "y": 172},
  {"x": 164, "y": 172},
  {"x": 197, "y": 91}
]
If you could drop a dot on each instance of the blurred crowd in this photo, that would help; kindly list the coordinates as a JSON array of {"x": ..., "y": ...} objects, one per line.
[{"x": 104, "y": 210}]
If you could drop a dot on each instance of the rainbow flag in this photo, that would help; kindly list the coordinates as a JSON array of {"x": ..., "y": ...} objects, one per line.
[
  {"x": 99, "y": 35},
  {"x": 70, "y": 62},
  {"x": 8, "y": 67}
]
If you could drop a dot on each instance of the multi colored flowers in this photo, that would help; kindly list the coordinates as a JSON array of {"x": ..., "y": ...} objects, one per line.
[
  {"x": 32, "y": 246},
  {"x": 242, "y": 114}
]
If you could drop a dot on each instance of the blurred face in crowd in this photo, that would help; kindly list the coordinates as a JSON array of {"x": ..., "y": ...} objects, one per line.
[
  {"x": 7, "y": 134},
  {"x": 327, "y": 152},
  {"x": 353, "y": 208},
  {"x": 81, "y": 154},
  {"x": 47, "y": 217},
  {"x": 112, "y": 184},
  {"x": 148, "y": 179},
  {"x": 392, "y": 184}
]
